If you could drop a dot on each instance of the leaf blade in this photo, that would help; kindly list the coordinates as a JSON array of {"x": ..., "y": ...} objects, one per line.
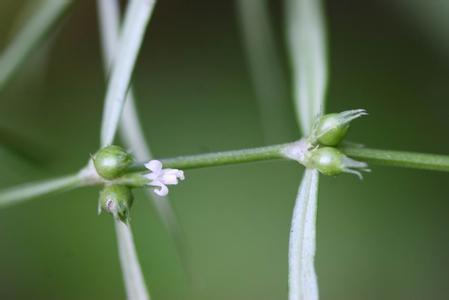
[
  {"x": 265, "y": 67},
  {"x": 302, "y": 277},
  {"x": 130, "y": 129},
  {"x": 137, "y": 17},
  {"x": 307, "y": 44},
  {"x": 132, "y": 273}
]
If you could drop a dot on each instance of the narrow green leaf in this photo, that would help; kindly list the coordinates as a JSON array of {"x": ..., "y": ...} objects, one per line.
[
  {"x": 137, "y": 16},
  {"x": 21, "y": 193},
  {"x": 302, "y": 277},
  {"x": 307, "y": 45},
  {"x": 31, "y": 35},
  {"x": 130, "y": 129},
  {"x": 265, "y": 69},
  {"x": 132, "y": 274}
]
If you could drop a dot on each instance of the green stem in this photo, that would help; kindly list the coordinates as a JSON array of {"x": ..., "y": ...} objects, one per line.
[
  {"x": 220, "y": 158},
  {"x": 433, "y": 162},
  {"x": 21, "y": 193},
  {"x": 424, "y": 161}
]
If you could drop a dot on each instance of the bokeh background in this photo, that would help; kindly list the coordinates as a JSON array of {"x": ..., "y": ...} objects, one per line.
[{"x": 385, "y": 237}]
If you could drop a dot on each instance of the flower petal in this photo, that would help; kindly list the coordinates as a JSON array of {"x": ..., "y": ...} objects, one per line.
[
  {"x": 162, "y": 191},
  {"x": 178, "y": 173},
  {"x": 169, "y": 179},
  {"x": 154, "y": 165}
]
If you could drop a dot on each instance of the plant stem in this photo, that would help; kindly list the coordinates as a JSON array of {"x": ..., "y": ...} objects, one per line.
[
  {"x": 220, "y": 158},
  {"x": 424, "y": 161},
  {"x": 21, "y": 193},
  {"x": 414, "y": 160}
]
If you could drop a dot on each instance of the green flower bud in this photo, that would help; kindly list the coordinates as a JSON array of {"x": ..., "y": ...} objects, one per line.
[
  {"x": 117, "y": 201},
  {"x": 112, "y": 161},
  {"x": 330, "y": 161},
  {"x": 331, "y": 129}
]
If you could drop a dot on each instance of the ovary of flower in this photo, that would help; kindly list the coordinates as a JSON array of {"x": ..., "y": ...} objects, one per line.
[{"x": 160, "y": 177}]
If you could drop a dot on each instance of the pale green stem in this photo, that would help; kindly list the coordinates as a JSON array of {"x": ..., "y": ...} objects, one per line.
[
  {"x": 21, "y": 193},
  {"x": 32, "y": 34},
  {"x": 220, "y": 158},
  {"x": 403, "y": 159},
  {"x": 413, "y": 160}
]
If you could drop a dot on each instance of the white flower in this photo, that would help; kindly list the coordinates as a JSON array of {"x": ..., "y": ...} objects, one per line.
[{"x": 162, "y": 177}]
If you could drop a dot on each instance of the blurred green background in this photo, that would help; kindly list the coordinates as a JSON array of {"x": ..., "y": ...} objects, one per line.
[{"x": 385, "y": 237}]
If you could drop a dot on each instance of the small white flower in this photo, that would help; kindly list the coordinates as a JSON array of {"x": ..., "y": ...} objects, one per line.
[{"x": 162, "y": 177}]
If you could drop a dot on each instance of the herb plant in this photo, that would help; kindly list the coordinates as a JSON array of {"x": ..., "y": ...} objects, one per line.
[{"x": 321, "y": 150}]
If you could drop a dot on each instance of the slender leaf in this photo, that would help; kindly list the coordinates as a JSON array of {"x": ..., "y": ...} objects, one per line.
[
  {"x": 132, "y": 274},
  {"x": 130, "y": 129},
  {"x": 31, "y": 34},
  {"x": 137, "y": 16},
  {"x": 307, "y": 45},
  {"x": 302, "y": 278},
  {"x": 265, "y": 68}
]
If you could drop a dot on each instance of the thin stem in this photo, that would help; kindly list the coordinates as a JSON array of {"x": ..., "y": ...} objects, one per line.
[
  {"x": 403, "y": 159},
  {"x": 221, "y": 158},
  {"x": 21, "y": 193}
]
